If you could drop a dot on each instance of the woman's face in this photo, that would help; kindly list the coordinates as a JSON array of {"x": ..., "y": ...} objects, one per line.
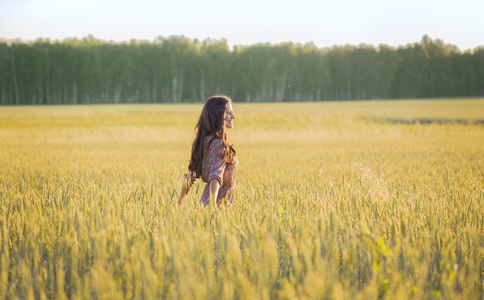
[{"x": 229, "y": 116}]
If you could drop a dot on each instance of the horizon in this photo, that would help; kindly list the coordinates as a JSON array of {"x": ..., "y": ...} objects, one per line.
[{"x": 231, "y": 47}]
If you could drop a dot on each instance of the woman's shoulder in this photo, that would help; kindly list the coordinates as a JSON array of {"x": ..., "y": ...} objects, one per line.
[
  {"x": 213, "y": 141},
  {"x": 212, "y": 138}
]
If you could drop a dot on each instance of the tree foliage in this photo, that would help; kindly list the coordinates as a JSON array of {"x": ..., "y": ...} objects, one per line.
[{"x": 178, "y": 69}]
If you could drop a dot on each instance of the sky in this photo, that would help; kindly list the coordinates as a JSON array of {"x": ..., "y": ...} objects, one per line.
[{"x": 324, "y": 23}]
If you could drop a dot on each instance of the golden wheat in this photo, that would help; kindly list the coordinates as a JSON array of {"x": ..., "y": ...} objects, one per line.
[{"x": 333, "y": 200}]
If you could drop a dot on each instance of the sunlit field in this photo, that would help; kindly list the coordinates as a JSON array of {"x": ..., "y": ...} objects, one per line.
[{"x": 336, "y": 200}]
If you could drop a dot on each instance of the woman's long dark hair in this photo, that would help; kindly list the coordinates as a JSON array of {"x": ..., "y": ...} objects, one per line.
[{"x": 211, "y": 122}]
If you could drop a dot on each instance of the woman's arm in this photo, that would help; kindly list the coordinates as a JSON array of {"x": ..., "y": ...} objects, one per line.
[
  {"x": 187, "y": 184},
  {"x": 214, "y": 187}
]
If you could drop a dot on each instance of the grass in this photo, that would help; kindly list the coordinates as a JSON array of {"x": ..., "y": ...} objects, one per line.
[{"x": 332, "y": 201}]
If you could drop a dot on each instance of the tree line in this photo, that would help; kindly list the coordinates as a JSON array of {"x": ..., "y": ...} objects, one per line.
[{"x": 178, "y": 69}]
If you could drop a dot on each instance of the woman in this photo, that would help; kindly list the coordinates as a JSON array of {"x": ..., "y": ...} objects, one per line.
[{"x": 213, "y": 158}]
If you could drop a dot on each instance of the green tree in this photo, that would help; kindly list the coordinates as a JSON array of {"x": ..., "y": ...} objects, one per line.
[{"x": 178, "y": 69}]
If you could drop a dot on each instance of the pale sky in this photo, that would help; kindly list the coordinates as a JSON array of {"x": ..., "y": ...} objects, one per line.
[{"x": 247, "y": 22}]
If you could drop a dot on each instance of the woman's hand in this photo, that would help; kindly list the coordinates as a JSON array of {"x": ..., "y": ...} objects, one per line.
[
  {"x": 183, "y": 192},
  {"x": 187, "y": 184}
]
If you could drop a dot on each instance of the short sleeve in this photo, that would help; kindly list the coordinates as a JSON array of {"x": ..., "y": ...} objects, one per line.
[{"x": 215, "y": 163}]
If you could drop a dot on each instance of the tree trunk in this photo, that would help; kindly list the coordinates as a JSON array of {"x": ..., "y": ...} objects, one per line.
[{"x": 14, "y": 75}]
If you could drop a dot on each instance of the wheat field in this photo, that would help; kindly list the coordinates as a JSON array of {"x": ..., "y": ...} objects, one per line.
[{"x": 335, "y": 200}]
